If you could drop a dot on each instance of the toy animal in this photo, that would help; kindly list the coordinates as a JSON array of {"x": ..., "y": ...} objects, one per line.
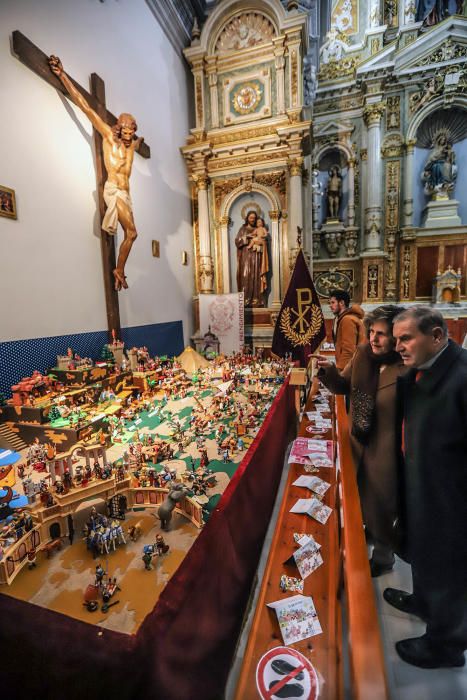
[
  {"x": 135, "y": 531},
  {"x": 176, "y": 494},
  {"x": 51, "y": 546}
]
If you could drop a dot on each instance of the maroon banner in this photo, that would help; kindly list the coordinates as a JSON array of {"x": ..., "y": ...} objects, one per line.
[{"x": 300, "y": 327}]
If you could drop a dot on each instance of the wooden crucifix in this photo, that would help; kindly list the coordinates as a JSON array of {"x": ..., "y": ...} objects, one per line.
[{"x": 114, "y": 144}]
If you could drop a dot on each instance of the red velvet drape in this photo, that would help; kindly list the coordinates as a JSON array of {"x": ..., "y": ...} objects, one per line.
[{"x": 184, "y": 648}]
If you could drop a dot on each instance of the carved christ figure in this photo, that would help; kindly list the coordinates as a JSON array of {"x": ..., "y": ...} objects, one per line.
[
  {"x": 118, "y": 144},
  {"x": 334, "y": 192}
]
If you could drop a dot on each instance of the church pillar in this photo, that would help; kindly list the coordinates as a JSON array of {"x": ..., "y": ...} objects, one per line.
[
  {"x": 213, "y": 94},
  {"x": 53, "y": 471},
  {"x": 224, "y": 224},
  {"x": 295, "y": 71},
  {"x": 206, "y": 272},
  {"x": 351, "y": 188},
  {"x": 198, "y": 73},
  {"x": 306, "y": 199},
  {"x": 295, "y": 200},
  {"x": 60, "y": 467},
  {"x": 408, "y": 184},
  {"x": 373, "y": 212},
  {"x": 275, "y": 279},
  {"x": 280, "y": 73}
]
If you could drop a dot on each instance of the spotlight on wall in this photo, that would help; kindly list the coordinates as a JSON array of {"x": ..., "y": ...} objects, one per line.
[{"x": 184, "y": 257}]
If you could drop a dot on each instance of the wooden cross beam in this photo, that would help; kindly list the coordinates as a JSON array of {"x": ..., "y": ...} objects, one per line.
[{"x": 38, "y": 62}]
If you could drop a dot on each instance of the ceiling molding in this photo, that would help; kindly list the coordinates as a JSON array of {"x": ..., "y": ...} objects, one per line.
[{"x": 176, "y": 18}]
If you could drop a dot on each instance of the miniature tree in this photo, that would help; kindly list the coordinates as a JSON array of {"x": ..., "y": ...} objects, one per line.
[
  {"x": 107, "y": 355},
  {"x": 54, "y": 414}
]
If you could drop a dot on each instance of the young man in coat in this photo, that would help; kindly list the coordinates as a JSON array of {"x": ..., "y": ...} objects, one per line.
[
  {"x": 347, "y": 330},
  {"x": 433, "y": 400}
]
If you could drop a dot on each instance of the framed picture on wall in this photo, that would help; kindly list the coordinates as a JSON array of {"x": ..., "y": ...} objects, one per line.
[{"x": 7, "y": 202}]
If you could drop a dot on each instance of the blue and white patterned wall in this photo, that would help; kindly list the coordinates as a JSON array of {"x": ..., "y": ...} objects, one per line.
[{"x": 19, "y": 358}]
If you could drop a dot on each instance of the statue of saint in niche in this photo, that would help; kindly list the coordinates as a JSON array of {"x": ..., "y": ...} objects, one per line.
[
  {"x": 118, "y": 144},
  {"x": 431, "y": 12},
  {"x": 334, "y": 192},
  {"x": 252, "y": 260},
  {"x": 440, "y": 171}
]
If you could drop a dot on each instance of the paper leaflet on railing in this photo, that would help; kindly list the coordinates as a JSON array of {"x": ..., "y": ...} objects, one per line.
[
  {"x": 297, "y": 618},
  {"x": 313, "y": 483},
  {"x": 311, "y": 451},
  {"x": 312, "y": 507},
  {"x": 306, "y": 558}
]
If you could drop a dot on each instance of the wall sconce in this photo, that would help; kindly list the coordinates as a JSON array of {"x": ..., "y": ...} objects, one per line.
[{"x": 156, "y": 252}]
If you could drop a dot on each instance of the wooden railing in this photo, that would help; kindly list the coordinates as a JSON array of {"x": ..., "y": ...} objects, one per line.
[
  {"x": 345, "y": 570},
  {"x": 15, "y": 557},
  {"x": 366, "y": 656}
]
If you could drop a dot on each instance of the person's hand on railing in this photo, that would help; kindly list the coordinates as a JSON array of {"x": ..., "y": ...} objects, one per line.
[{"x": 323, "y": 362}]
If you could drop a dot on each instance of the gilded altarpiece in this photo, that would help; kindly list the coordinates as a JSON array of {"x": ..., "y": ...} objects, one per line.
[
  {"x": 250, "y": 142},
  {"x": 399, "y": 86}
]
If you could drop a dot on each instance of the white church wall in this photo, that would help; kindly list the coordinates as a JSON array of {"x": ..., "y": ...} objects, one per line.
[{"x": 51, "y": 281}]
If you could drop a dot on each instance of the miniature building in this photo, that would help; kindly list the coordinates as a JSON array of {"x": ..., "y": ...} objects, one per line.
[{"x": 447, "y": 286}]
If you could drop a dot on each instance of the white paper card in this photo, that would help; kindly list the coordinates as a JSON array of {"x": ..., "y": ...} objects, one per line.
[{"x": 297, "y": 618}]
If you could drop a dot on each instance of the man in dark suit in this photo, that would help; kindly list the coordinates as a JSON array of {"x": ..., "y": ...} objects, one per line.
[{"x": 433, "y": 400}]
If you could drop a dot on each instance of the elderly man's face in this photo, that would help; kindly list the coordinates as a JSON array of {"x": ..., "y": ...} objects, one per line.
[{"x": 415, "y": 347}]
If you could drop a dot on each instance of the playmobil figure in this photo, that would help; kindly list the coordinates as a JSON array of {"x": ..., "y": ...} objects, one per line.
[
  {"x": 100, "y": 573},
  {"x": 32, "y": 556},
  {"x": 161, "y": 547},
  {"x": 176, "y": 494},
  {"x": 67, "y": 480},
  {"x": 147, "y": 560}
]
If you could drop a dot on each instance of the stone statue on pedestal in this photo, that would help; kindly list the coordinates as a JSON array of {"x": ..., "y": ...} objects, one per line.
[
  {"x": 440, "y": 171},
  {"x": 334, "y": 192}
]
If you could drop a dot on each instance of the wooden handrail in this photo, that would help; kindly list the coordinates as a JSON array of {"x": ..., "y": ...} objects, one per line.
[
  {"x": 324, "y": 650},
  {"x": 368, "y": 674},
  {"x": 367, "y": 666}
]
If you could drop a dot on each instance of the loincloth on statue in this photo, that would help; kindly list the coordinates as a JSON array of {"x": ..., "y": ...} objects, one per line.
[{"x": 111, "y": 194}]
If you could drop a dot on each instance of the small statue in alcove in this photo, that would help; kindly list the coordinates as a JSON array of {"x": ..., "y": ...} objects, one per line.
[
  {"x": 440, "y": 171},
  {"x": 334, "y": 192}
]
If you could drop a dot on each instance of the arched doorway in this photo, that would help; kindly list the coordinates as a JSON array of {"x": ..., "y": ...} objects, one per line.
[{"x": 54, "y": 531}]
